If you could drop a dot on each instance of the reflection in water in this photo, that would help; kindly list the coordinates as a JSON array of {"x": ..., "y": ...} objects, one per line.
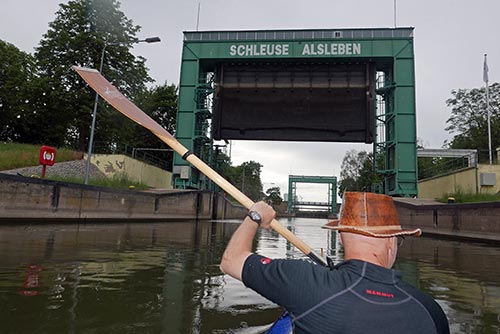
[
  {"x": 463, "y": 277},
  {"x": 164, "y": 278}
]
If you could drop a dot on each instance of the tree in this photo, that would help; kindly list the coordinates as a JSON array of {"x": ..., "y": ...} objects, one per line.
[
  {"x": 468, "y": 120},
  {"x": 16, "y": 71},
  {"x": 160, "y": 103},
  {"x": 357, "y": 172},
  {"x": 247, "y": 179},
  {"x": 222, "y": 165},
  {"x": 77, "y": 36},
  {"x": 273, "y": 196}
]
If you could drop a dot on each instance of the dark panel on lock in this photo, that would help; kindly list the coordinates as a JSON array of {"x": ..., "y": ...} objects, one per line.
[{"x": 295, "y": 102}]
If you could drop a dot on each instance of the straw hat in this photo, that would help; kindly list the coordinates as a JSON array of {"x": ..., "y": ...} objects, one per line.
[{"x": 369, "y": 214}]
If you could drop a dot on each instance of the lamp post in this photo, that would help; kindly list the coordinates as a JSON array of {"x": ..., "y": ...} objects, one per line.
[{"x": 94, "y": 113}]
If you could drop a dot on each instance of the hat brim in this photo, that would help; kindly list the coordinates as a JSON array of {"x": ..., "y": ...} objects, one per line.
[{"x": 376, "y": 232}]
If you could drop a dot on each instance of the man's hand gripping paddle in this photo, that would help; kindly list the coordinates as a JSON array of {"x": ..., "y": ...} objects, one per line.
[{"x": 109, "y": 93}]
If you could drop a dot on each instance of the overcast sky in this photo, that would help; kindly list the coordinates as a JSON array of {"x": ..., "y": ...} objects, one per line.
[{"x": 451, "y": 38}]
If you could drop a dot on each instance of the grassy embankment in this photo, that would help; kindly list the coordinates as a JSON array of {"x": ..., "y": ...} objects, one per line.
[
  {"x": 461, "y": 197},
  {"x": 14, "y": 155}
]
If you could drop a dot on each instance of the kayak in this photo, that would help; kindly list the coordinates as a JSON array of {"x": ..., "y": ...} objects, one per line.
[{"x": 281, "y": 326}]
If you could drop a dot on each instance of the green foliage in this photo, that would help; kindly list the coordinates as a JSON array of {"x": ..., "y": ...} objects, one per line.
[
  {"x": 160, "y": 103},
  {"x": 13, "y": 155},
  {"x": 468, "y": 120},
  {"x": 357, "y": 172},
  {"x": 117, "y": 181},
  {"x": 16, "y": 72},
  {"x": 78, "y": 35},
  {"x": 43, "y": 101},
  {"x": 223, "y": 166},
  {"x": 273, "y": 196},
  {"x": 461, "y": 197},
  {"x": 247, "y": 179}
]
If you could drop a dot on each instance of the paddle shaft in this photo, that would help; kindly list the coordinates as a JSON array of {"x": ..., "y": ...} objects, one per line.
[
  {"x": 239, "y": 196},
  {"x": 110, "y": 94}
]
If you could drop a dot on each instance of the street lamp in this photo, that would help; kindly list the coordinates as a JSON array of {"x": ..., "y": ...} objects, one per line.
[{"x": 94, "y": 114}]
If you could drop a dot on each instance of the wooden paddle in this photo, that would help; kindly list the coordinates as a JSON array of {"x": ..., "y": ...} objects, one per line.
[{"x": 111, "y": 94}]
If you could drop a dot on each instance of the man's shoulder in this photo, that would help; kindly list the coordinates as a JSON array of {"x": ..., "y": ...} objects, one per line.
[
  {"x": 257, "y": 260},
  {"x": 262, "y": 266},
  {"x": 430, "y": 304}
]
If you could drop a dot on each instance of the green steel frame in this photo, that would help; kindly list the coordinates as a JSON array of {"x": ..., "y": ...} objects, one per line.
[
  {"x": 292, "y": 190},
  {"x": 389, "y": 50}
]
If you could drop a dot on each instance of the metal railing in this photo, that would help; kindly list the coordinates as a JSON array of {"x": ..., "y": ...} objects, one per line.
[
  {"x": 307, "y": 34},
  {"x": 158, "y": 157},
  {"x": 443, "y": 166},
  {"x": 150, "y": 156}
]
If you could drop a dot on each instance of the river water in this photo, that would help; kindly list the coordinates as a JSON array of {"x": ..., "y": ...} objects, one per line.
[{"x": 164, "y": 278}]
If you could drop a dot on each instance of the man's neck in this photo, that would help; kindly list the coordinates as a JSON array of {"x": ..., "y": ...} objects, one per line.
[{"x": 370, "y": 257}]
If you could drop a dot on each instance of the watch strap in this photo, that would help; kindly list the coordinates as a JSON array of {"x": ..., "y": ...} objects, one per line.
[{"x": 255, "y": 216}]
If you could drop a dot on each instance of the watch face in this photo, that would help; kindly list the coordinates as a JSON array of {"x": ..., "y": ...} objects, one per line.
[{"x": 255, "y": 216}]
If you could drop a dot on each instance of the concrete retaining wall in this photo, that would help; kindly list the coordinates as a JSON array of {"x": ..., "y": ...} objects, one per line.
[
  {"x": 227, "y": 210},
  {"x": 35, "y": 199},
  {"x": 111, "y": 164},
  {"x": 473, "y": 221},
  {"x": 467, "y": 180}
]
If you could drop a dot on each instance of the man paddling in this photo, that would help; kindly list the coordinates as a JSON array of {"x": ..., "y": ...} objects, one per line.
[{"x": 360, "y": 295}]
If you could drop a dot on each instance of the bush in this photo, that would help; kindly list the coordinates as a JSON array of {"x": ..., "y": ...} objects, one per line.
[{"x": 117, "y": 181}]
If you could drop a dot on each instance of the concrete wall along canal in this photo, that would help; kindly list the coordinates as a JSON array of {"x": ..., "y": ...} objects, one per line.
[
  {"x": 24, "y": 198},
  {"x": 29, "y": 199},
  {"x": 471, "y": 221}
]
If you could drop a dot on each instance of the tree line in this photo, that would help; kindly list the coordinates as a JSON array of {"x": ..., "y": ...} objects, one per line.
[{"x": 43, "y": 101}]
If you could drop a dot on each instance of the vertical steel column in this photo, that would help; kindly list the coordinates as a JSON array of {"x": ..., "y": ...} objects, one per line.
[
  {"x": 403, "y": 128},
  {"x": 185, "y": 127},
  {"x": 291, "y": 195}
]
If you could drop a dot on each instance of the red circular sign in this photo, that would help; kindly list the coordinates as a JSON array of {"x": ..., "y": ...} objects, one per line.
[{"x": 47, "y": 155}]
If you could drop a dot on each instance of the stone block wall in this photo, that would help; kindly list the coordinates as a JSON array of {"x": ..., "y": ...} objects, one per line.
[
  {"x": 24, "y": 198},
  {"x": 479, "y": 221}
]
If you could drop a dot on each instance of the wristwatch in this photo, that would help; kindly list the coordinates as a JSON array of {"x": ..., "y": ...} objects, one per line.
[{"x": 255, "y": 216}]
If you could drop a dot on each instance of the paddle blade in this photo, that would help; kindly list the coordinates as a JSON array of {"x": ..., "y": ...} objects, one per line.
[{"x": 111, "y": 94}]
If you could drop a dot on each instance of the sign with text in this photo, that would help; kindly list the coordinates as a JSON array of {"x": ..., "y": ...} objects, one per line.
[{"x": 295, "y": 49}]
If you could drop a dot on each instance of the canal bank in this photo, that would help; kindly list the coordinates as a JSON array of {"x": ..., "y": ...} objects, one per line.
[
  {"x": 32, "y": 199},
  {"x": 470, "y": 221}
]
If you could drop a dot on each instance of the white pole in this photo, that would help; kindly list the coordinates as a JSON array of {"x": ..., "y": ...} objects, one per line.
[
  {"x": 395, "y": 11},
  {"x": 489, "y": 121},
  {"x": 485, "y": 77},
  {"x": 198, "y": 17}
]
